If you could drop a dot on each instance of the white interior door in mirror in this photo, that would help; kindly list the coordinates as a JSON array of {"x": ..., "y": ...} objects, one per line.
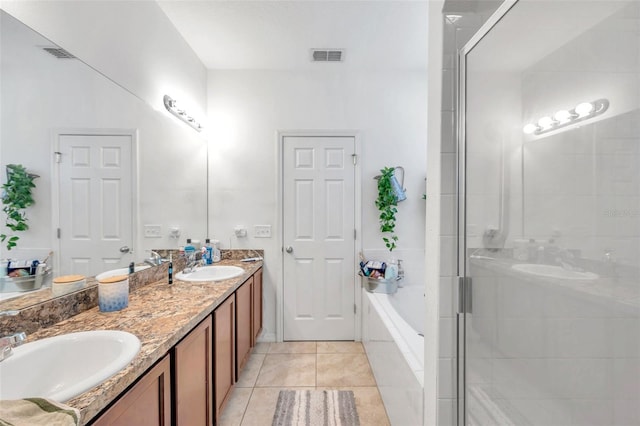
[
  {"x": 318, "y": 224},
  {"x": 95, "y": 191}
]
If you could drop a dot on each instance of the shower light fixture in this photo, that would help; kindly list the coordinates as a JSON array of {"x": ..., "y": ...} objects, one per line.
[
  {"x": 563, "y": 118},
  {"x": 172, "y": 106}
]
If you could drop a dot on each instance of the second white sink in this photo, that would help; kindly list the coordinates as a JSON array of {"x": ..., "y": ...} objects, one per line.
[
  {"x": 552, "y": 271},
  {"x": 211, "y": 273}
]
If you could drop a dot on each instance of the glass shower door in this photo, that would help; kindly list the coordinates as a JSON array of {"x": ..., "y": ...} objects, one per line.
[{"x": 550, "y": 216}]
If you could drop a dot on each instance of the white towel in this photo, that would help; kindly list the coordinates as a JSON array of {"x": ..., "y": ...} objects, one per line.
[{"x": 37, "y": 412}]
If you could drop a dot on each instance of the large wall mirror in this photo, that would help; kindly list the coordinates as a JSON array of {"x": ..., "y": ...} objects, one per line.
[{"x": 110, "y": 166}]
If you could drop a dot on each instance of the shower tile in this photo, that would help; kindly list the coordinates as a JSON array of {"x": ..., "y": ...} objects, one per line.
[{"x": 344, "y": 370}]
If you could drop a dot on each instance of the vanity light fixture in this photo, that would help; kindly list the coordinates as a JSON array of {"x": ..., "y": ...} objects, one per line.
[
  {"x": 172, "y": 106},
  {"x": 563, "y": 118}
]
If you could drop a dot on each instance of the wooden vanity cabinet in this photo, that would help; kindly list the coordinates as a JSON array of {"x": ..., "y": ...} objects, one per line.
[
  {"x": 256, "y": 314},
  {"x": 193, "y": 375},
  {"x": 244, "y": 316},
  {"x": 224, "y": 352},
  {"x": 147, "y": 403}
]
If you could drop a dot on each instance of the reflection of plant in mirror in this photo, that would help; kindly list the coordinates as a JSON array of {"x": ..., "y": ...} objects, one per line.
[
  {"x": 16, "y": 197},
  {"x": 386, "y": 203}
]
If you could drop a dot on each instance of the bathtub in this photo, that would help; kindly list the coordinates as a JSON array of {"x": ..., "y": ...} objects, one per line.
[{"x": 392, "y": 337}]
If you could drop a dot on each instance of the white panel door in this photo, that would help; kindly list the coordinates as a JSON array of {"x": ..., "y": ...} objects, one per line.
[
  {"x": 319, "y": 239},
  {"x": 95, "y": 201}
]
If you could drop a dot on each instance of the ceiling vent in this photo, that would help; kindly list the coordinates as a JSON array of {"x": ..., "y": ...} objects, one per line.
[
  {"x": 58, "y": 52},
  {"x": 327, "y": 55}
]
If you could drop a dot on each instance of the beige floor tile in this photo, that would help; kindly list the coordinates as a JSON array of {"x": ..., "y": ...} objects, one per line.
[
  {"x": 236, "y": 406},
  {"x": 293, "y": 348},
  {"x": 262, "y": 406},
  {"x": 369, "y": 404},
  {"x": 261, "y": 348},
  {"x": 288, "y": 370},
  {"x": 340, "y": 348},
  {"x": 344, "y": 370},
  {"x": 249, "y": 373}
]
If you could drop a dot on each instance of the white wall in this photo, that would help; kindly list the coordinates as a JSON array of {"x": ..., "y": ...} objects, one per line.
[{"x": 248, "y": 108}]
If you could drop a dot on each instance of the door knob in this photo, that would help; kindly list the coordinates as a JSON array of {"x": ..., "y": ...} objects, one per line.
[
  {"x": 289, "y": 249},
  {"x": 125, "y": 249}
]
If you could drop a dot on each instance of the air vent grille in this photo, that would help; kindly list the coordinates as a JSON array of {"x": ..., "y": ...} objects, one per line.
[
  {"x": 58, "y": 52},
  {"x": 327, "y": 55}
]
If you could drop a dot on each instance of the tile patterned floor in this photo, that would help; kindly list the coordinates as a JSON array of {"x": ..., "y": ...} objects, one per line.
[{"x": 302, "y": 365}]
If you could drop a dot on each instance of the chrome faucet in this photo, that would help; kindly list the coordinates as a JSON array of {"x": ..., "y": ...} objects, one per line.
[
  {"x": 155, "y": 259},
  {"x": 7, "y": 344},
  {"x": 192, "y": 264}
]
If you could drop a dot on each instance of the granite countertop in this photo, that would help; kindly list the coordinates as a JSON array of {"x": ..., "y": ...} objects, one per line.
[{"x": 160, "y": 315}]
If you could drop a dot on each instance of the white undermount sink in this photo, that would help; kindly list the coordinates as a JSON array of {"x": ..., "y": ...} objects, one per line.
[
  {"x": 63, "y": 367},
  {"x": 211, "y": 273},
  {"x": 552, "y": 271}
]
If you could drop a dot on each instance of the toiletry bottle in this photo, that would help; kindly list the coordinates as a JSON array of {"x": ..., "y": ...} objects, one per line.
[
  {"x": 132, "y": 268},
  {"x": 189, "y": 249},
  {"x": 208, "y": 255},
  {"x": 217, "y": 255},
  {"x": 170, "y": 269},
  {"x": 391, "y": 273}
]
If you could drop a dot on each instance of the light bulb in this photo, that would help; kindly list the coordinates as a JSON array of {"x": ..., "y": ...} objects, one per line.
[
  {"x": 584, "y": 109},
  {"x": 529, "y": 128},
  {"x": 546, "y": 122},
  {"x": 563, "y": 116}
]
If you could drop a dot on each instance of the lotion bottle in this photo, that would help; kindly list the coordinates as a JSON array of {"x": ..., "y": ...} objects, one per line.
[{"x": 170, "y": 269}]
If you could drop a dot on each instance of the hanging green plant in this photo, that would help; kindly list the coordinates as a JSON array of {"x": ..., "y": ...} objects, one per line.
[
  {"x": 16, "y": 197},
  {"x": 386, "y": 204}
]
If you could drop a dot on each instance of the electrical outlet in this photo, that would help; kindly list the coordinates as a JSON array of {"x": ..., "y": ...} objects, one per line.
[
  {"x": 262, "y": 231},
  {"x": 153, "y": 231},
  {"x": 240, "y": 231}
]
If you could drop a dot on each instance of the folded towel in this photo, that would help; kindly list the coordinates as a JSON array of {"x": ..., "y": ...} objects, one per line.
[{"x": 37, "y": 412}]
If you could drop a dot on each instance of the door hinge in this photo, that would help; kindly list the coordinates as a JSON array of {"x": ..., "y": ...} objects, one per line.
[
  {"x": 355, "y": 309},
  {"x": 465, "y": 305},
  {"x": 354, "y": 157},
  {"x": 58, "y": 233},
  {"x": 354, "y": 234},
  {"x": 57, "y": 157}
]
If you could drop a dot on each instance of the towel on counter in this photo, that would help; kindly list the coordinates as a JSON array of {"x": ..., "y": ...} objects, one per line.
[{"x": 37, "y": 412}]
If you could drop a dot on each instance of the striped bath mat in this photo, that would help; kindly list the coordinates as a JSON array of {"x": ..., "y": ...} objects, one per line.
[{"x": 316, "y": 408}]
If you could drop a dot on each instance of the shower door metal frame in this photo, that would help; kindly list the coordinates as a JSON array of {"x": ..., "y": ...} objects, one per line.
[{"x": 464, "y": 280}]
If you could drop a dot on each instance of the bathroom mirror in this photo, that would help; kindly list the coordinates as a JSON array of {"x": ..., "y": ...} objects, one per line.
[{"x": 55, "y": 112}]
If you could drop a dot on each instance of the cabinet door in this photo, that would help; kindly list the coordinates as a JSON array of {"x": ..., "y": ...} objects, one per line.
[
  {"x": 147, "y": 403},
  {"x": 224, "y": 351},
  {"x": 257, "y": 307},
  {"x": 243, "y": 324},
  {"x": 194, "y": 377}
]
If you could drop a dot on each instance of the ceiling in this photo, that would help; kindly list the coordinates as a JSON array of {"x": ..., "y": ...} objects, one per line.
[{"x": 274, "y": 34}]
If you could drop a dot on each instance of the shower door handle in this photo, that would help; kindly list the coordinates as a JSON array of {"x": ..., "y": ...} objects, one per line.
[{"x": 289, "y": 249}]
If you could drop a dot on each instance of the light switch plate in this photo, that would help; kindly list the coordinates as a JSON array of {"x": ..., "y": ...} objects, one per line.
[
  {"x": 153, "y": 231},
  {"x": 262, "y": 231}
]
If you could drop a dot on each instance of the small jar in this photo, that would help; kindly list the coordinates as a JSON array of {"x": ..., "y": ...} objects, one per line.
[
  {"x": 67, "y": 284},
  {"x": 113, "y": 293}
]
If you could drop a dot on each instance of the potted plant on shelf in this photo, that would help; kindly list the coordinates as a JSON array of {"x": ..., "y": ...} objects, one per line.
[
  {"x": 16, "y": 197},
  {"x": 386, "y": 203}
]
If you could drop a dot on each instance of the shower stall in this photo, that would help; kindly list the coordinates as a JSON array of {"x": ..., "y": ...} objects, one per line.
[{"x": 548, "y": 184}]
